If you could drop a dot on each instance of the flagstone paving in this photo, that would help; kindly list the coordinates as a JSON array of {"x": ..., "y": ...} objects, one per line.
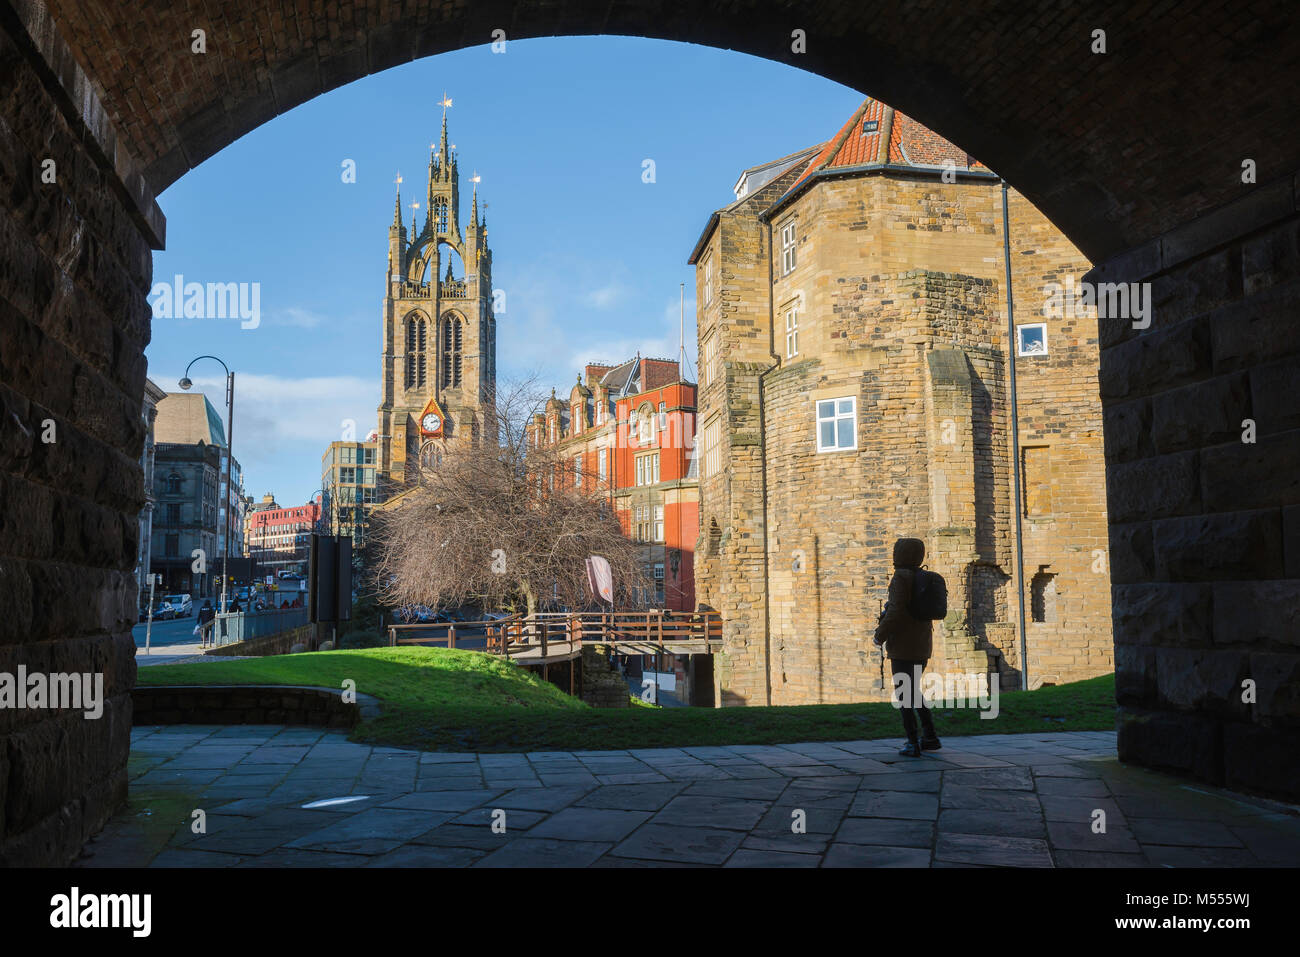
[{"x": 1024, "y": 800}]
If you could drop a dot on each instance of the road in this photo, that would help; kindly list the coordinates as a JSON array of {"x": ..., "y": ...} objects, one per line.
[{"x": 173, "y": 631}]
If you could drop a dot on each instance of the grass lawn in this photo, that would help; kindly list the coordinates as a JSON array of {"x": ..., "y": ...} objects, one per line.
[{"x": 437, "y": 699}]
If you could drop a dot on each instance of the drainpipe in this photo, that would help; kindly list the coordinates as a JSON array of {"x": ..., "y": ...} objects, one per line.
[
  {"x": 1015, "y": 443},
  {"x": 762, "y": 459}
]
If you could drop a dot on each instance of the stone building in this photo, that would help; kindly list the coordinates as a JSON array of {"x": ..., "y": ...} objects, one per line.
[
  {"x": 854, "y": 389},
  {"x": 185, "y": 490},
  {"x": 439, "y": 332},
  {"x": 149, "y": 412}
]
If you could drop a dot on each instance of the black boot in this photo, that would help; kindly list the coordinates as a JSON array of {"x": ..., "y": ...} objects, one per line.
[
  {"x": 929, "y": 740},
  {"x": 913, "y": 749}
]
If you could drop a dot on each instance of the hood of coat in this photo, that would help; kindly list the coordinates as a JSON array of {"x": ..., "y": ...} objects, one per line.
[{"x": 909, "y": 553}]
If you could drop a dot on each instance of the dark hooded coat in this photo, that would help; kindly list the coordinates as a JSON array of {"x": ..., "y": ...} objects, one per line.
[{"x": 905, "y": 638}]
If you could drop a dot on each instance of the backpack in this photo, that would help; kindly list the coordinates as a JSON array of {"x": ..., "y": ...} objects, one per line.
[{"x": 929, "y": 596}]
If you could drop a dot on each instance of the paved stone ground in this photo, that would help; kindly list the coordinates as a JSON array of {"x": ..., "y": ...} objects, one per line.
[{"x": 1007, "y": 800}]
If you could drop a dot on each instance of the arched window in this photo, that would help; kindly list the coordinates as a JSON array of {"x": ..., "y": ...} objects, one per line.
[
  {"x": 451, "y": 350},
  {"x": 440, "y": 215},
  {"x": 173, "y": 484},
  {"x": 415, "y": 345}
]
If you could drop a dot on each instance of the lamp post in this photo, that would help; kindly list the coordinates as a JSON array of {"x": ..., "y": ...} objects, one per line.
[
  {"x": 323, "y": 525},
  {"x": 185, "y": 383}
]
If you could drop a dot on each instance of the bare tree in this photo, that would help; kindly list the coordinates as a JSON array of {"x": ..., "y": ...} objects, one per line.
[{"x": 502, "y": 524}]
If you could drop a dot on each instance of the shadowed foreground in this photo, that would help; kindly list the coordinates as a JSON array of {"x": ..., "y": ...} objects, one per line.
[{"x": 1010, "y": 800}]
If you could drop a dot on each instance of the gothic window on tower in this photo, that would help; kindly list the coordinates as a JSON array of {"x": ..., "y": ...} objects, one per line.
[
  {"x": 415, "y": 345},
  {"x": 451, "y": 351},
  {"x": 440, "y": 215}
]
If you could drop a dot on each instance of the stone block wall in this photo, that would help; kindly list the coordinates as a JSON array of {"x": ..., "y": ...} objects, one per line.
[
  {"x": 278, "y": 644},
  {"x": 602, "y": 686},
  {"x": 1203, "y": 474},
  {"x": 75, "y": 267},
  {"x": 900, "y": 289},
  {"x": 244, "y": 704}
]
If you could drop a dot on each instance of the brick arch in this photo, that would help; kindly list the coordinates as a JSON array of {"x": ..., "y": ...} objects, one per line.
[
  {"x": 1081, "y": 135},
  {"x": 1135, "y": 154}
]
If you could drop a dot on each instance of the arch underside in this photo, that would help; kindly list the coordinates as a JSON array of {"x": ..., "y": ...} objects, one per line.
[{"x": 1114, "y": 148}]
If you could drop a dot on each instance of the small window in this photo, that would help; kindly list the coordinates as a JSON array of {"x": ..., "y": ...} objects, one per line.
[
  {"x": 659, "y": 524},
  {"x": 712, "y": 447},
  {"x": 712, "y": 367},
  {"x": 708, "y": 280},
  {"x": 1031, "y": 339},
  {"x": 792, "y": 332},
  {"x": 787, "y": 247},
  {"x": 602, "y": 463},
  {"x": 837, "y": 425}
]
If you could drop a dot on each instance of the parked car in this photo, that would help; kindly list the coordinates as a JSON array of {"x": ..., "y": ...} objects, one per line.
[
  {"x": 163, "y": 610},
  {"x": 182, "y": 604}
]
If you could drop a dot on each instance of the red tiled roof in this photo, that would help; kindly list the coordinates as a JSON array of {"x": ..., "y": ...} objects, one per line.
[{"x": 910, "y": 144}]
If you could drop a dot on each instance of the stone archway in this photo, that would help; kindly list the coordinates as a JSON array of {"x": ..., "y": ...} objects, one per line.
[{"x": 1137, "y": 154}]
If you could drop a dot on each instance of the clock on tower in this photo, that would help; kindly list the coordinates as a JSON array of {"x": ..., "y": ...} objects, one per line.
[{"x": 433, "y": 420}]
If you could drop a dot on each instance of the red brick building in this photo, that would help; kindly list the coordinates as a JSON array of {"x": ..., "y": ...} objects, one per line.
[
  {"x": 279, "y": 538},
  {"x": 630, "y": 430}
]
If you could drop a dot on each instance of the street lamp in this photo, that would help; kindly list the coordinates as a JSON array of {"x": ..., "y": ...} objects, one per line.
[
  {"x": 323, "y": 525},
  {"x": 186, "y": 383}
]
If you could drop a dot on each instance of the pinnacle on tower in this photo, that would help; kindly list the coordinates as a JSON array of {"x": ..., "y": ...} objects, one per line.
[{"x": 443, "y": 152}]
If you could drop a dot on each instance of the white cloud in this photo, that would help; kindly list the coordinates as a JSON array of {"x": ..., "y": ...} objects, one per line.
[
  {"x": 606, "y": 296},
  {"x": 296, "y": 316},
  {"x": 283, "y": 425}
]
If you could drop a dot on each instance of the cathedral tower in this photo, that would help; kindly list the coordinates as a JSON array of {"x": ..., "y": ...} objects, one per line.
[{"x": 439, "y": 339}]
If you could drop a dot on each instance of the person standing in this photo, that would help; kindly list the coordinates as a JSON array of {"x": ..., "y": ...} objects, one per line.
[
  {"x": 908, "y": 641},
  {"x": 206, "y": 615}
]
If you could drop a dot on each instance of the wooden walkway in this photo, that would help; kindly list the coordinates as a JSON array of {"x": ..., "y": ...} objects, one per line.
[{"x": 551, "y": 637}]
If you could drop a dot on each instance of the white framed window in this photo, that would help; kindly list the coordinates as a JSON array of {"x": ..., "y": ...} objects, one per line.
[
  {"x": 1031, "y": 339},
  {"x": 659, "y": 582},
  {"x": 659, "y": 523},
  {"x": 787, "y": 246},
  {"x": 792, "y": 332},
  {"x": 712, "y": 447},
  {"x": 713, "y": 368},
  {"x": 602, "y": 464},
  {"x": 837, "y": 424},
  {"x": 708, "y": 279},
  {"x": 647, "y": 469},
  {"x": 577, "y": 470}
]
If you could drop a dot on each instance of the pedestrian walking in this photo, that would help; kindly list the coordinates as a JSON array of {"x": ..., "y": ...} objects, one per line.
[{"x": 915, "y": 595}]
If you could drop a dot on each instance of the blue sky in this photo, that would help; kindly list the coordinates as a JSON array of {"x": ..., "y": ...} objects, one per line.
[{"x": 590, "y": 256}]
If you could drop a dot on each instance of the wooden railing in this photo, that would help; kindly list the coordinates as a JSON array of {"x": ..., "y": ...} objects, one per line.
[{"x": 549, "y": 633}]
